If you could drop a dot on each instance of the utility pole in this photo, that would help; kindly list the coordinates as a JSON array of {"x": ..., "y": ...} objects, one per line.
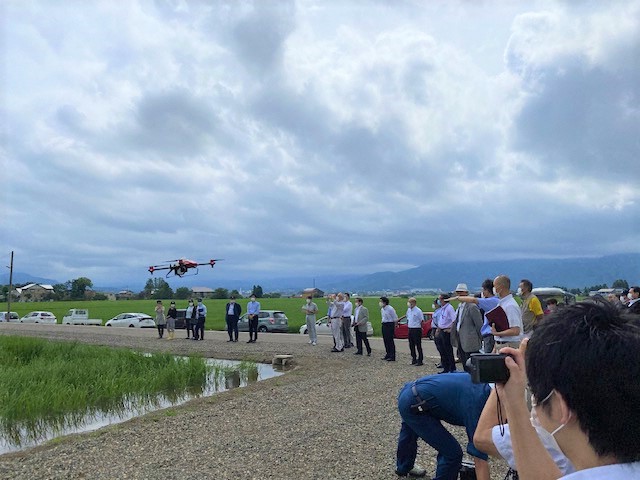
[{"x": 10, "y": 288}]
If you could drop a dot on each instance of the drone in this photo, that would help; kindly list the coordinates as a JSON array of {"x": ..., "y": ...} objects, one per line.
[{"x": 182, "y": 266}]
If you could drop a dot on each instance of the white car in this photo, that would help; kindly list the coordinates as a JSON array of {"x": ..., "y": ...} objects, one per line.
[
  {"x": 13, "y": 317},
  {"x": 39, "y": 317},
  {"x": 323, "y": 327},
  {"x": 138, "y": 320}
]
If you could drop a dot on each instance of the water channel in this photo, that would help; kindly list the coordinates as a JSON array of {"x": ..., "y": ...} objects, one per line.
[{"x": 223, "y": 375}]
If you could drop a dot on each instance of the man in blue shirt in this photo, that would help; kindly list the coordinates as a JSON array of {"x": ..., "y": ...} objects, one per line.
[
  {"x": 427, "y": 402},
  {"x": 253, "y": 309}
]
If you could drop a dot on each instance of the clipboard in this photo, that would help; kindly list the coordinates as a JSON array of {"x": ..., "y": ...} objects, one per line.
[{"x": 498, "y": 317}]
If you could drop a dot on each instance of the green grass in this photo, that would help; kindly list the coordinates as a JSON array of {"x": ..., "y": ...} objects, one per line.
[
  {"x": 47, "y": 384},
  {"x": 106, "y": 309}
]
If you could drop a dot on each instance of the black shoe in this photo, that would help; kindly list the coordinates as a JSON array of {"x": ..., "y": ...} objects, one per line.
[
  {"x": 229, "y": 340},
  {"x": 391, "y": 359},
  {"x": 333, "y": 350},
  {"x": 358, "y": 353},
  {"x": 368, "y": 354},
  {"x": 438, "y": 365},
  {"x": 414, "y": 361},
  {"x": 385, "y": 358},
  {"x": 250, "y": 341},
  {"x": 418, "y": 364}
]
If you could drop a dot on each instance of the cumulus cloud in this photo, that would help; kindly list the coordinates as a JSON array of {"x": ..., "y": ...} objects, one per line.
[{"x": 322, "y": 137}]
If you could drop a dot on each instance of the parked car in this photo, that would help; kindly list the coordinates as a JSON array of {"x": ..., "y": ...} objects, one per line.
[
  {"x": 402, "y": 330},
  {"x": 39, "y": 317},
  {"x": 13, "y": 317},
  {"x": 323, "y": 327},
  {"x": 268, "y": 321},
  {"x": 138, "y": 320}
]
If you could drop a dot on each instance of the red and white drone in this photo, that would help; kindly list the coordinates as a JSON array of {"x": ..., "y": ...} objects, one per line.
[{"x": 182, "y": 266}]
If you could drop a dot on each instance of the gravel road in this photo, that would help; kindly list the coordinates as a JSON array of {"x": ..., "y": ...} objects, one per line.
[{"x": 333, "y": 416}]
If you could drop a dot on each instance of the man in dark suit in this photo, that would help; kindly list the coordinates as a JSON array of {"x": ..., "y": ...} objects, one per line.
[
  {"x": 360, "y": 323},
  {"x": 232, "y": 315}
]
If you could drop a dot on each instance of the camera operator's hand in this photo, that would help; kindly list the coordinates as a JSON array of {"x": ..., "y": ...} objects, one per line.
[{"x": 512, "y": 392}]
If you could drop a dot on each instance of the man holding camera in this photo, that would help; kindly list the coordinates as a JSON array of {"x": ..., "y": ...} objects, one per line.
[
  {"x": 583, "y": 367},
  {"x": 427, "y": 402}
]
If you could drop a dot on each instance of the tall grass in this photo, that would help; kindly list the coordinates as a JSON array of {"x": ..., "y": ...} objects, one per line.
[{"x": 56, "y": 383}]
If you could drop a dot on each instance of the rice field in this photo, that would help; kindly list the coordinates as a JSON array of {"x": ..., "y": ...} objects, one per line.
[{"x": 50, "y": 385}]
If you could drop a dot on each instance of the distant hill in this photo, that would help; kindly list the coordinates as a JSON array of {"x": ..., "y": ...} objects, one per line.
[
  {"x": 20, "y": 278},
  {"x": 569, "y": 272}
]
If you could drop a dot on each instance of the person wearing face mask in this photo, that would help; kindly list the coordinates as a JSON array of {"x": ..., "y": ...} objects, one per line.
[
  {"x": 389, "y": 322},
  {"x": 531, "y": 308},
  {"x": 511, "y": 336},
  {"x": 172, "y": 314},
  {"x": 494, "y": 438},
  {"x": 414, "y": 324},
  {"x": 361, "y": 318},
  {"x": 465, "y": 332},
  {"x": 253, "y": 311},
  {"x": 190, "y": 319},
  {"x": 582, "y": 366},
  {"x": 335, "y": 303},
  {"x": 232, "y": 316},
  {"x": 347, "y": 310},
  {"x": 310, "y": 310},
  {"x": 201, "y": 317},
  {"x": 446, "y": 318},
  {"x": 487, "y": 302},
  {"x": 634, "y": 300}
]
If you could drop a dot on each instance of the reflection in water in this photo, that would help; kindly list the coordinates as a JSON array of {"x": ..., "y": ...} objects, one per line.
[{"x": 222, "y": 375}]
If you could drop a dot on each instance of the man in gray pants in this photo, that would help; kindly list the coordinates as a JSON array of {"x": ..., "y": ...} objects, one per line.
[{"x": 310, "y": 309}]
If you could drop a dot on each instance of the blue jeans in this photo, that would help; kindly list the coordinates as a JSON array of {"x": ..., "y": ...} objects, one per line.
[{"x": 428, "y": 427}]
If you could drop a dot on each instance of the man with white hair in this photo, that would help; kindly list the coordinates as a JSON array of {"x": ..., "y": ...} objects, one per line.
[{"x": 466, "y": 331}]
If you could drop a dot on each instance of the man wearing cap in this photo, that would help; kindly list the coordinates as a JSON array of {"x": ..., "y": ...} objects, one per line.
[
  {"x": 465, "y": 333},
  {"x": 233, "y": 311}
]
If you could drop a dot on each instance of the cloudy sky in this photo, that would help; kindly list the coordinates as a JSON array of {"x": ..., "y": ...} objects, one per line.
[{"x": 315, "y": 137}]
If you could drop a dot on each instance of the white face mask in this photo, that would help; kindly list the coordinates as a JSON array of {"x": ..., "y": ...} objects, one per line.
[
  {"x": 381, "y": 304},
  {"x": 253, "y": 299},
  {"x": 495, "y": 292},
  {"x": 408, "y": 304},
  {"x": 434, "y": 306},
  {"x": 536, "y": 422},
  {"x": 232, "y": 301},
  {"x": 308, "y": 300},
  {"x": 519, "y": 292},
  {"x": 630, "y": 296}
]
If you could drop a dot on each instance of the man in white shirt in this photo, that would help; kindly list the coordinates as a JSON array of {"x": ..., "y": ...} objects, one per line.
[
  {"x": 414, "y": 324},
  {"x": 347, "y": 309},
  {"x": 511, "y": 336},
  {"x": 389, "y": 322}
]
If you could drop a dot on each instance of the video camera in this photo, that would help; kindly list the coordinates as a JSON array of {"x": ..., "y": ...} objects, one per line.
[{"x": 488, "y": 368}]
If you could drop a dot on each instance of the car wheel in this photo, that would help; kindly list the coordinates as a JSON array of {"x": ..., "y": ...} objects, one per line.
[
  {"x": 262, "y": 328},
  {"x": 108, "y": 325},
  {"x": 305, "y": 331},
  {"x": 131, "y": 326}
]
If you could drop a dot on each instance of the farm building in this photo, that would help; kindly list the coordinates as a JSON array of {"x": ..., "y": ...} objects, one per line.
[
  {"x": 314, "y": 292},
  {"x": 33, "y": 292}
]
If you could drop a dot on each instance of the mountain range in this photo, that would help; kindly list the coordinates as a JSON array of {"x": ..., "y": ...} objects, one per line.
[{"x": 567, "y": 272}]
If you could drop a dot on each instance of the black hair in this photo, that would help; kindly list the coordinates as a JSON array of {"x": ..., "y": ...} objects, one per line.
[
  {"x": 588, "y": 352},
  {"x": 488, "y": 285},
  {"x": 358, "y": 299},
  {"x": 385, "y": 300},
  {"x": 527, "y": 283}
]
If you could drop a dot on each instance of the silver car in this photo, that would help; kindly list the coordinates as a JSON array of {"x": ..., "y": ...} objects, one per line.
[
  {"x": 39, "y": 317},
  {"x": 268, "y": 321},
  {"x": 132, "y": 320}
]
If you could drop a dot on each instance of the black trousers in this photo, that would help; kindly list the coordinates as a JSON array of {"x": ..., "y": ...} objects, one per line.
[
  {"x": 443, "y": 343},
  {"x": 415, "y": 343},
  {"x": 160, "y": 330},
  {"x": 198, "y": 332},
  {"x": 346, "y": 331},
  {"x": 253, "y": 328},
  {"x": 232, "y": 327},
  {"x": 387, "y": 337},
  {"x": 361, "y": 337}
]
